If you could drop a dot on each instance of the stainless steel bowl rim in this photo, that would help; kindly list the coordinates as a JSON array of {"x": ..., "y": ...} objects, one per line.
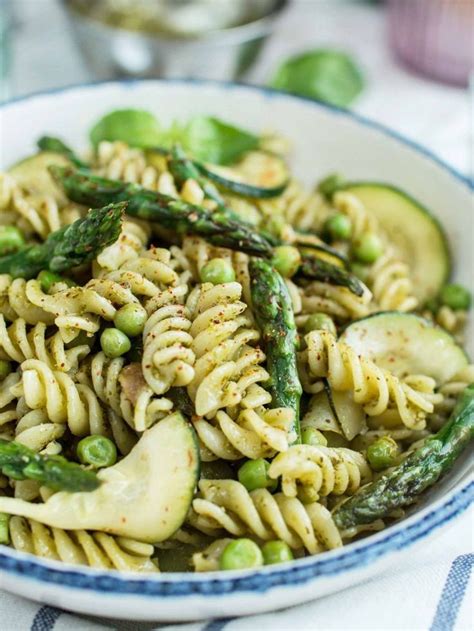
[{"x": 233, "y": 34}]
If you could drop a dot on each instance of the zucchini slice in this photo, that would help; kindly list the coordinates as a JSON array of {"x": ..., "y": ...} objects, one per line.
[
  {"x": 259, "y": 175},
  {"x": 336, "y": 412},
  {"x": 405, "y": 344},
  {"x": 324, "y": 252},
  {"x": 32, "y": 174},
  {"x": 145, "y": 496},
  {"x": 416, "y": 234}
]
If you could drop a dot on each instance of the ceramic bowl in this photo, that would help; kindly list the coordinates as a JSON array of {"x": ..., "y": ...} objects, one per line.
[{"x": 324, "y": 140}]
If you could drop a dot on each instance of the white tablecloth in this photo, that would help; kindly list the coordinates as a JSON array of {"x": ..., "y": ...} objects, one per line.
[{"x": 433, "y": 591}]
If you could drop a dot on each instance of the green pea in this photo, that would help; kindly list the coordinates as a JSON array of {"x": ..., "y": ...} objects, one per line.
[
  {"x": 4, "y": 529},
  {"x": 361, "y": 271},
  {"x": 130, "y": 319},
  {"x": 48, "y": 279},
  {"x": 338, "y": 227},
  {"x": 97, "y": 451},
  {"x": 114, "y": 343},
  {"x": 368, "y": 248},
  {"x": 5, "y": 369},
  {"x": 11, "y": 239},
  {"x": 241, "y": 554},
  {"x": 276, "y": 552},
  {"x": 312, "y": 436},
  {"x": 382, "y": 453},
  {"x": 329, "y": 185},
  {"x": 253, "y": 474},
  {"x": 217, "y": 271},
  {"x": 320, "y": 322},
  {"x": 455, "y": 296},
  {"x": 286, "y": 260}
]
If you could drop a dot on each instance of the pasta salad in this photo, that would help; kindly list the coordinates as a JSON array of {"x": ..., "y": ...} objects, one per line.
[{"x": 206, "y": 366}]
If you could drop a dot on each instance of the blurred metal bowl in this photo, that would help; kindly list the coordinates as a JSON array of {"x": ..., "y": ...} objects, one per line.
[{"x": 228, "y": 53}]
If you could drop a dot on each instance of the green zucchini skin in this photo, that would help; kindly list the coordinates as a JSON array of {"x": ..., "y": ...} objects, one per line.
[
  {"x": 241, "y": 188},
  {"x": 404, "y": 484},
  {"x": 274, "y": 315},
  {"x": 417, "y": 233}
]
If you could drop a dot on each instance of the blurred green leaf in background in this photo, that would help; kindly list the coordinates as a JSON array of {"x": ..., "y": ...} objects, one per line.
[{"x": 325, "y": 75}]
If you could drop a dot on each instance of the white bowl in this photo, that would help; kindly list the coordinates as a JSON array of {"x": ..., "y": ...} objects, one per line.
[{"x": 325, "y": 140}]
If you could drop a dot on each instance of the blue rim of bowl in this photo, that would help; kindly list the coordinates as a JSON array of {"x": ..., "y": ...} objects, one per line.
[{"x": 331, "y": 564}]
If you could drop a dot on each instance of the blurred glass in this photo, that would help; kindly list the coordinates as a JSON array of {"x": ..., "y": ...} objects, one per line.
[
  {"x": 434, "y": 37},
  {"x": 178, "y": 18},
  {"x": 210, "y": 39}
]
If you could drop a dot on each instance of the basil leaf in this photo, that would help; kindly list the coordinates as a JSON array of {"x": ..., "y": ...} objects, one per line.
[
  {"x": 325, "y": 75},
  {"x": 206, "y": 138},
  {"x": 209, "y": 139},
  {"x": 137, "y": 128}
]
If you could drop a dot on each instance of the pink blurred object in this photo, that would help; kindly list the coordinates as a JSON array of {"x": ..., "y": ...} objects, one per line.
[{"x": 434, "y": 37}]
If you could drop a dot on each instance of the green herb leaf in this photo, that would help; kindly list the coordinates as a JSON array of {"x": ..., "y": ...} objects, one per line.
[
  {"x": 137, "y": 128},
  {"x": 324, "y": 75},
  {"x": 206, "y": 138},
  {"x": 211, "y": 140}
]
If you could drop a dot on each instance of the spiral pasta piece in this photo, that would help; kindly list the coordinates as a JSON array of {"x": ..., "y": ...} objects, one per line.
[
  {"x": 299, "y": 208},
  {"x": 80, "y": 547},
  {"x": 374, "y": 388},
  {"x": 198, "y": 252},
  {"x": 227, "y": 505},
  {"x": 168, "y": 358},
  {"x": 133, "y": 239},
  {"x": 123, "y": 389},
  {"x": 253, "y": 433},
  {"x": 34, "y": 213},
  {"x": 226, "y": 365},
  {"x": 35, "y": 430},
  {"x": 323, "y": 470},
  {"x": 392, "y": 288},
  {"x": 63, "y": 400},
  {"x": 117, "y": 161},
  {"x": 15, "y": 302},
  {"x": 77, "y": 308},
  {"x": 333, "y": 300},
  {"x": 17, "y": 343},
  {"x": 8, "y": 401}
]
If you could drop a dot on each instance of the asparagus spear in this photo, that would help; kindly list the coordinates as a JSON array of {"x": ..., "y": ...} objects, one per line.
[
  {"x": 20, "y": 463},
  {"x": 72, "y": 245},
  {"x": 222, "y": 227},
  {"x": 56, "y": 145},
  {"x": 170, "y": 213},
  {"x": 317, "y": 269},
  {"x": 404, "y": 484},
  {"x": 274, "y": 315}
]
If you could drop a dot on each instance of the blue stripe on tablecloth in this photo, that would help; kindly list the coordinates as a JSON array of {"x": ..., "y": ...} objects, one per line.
[
  {"x": 45, "y": 618},
  {"x": 453, "y": 593},
  {"x": 217, "y": 625}
]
